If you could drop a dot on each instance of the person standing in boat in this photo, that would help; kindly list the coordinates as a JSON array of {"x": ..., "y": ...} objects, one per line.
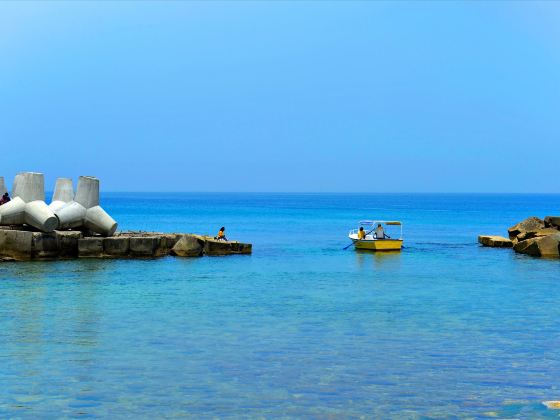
[
  {"x": 379, "y": 232},
  {"x": 221, "y": 235}
]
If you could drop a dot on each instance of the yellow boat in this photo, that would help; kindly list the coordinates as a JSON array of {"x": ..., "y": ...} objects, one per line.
[{"x": 371, "y": 241}]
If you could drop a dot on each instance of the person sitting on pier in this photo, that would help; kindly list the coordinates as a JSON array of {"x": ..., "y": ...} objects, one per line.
[
  {"x": 361, "y": 233},
  {"x": 221, "y": 236},
  {"x": 379, "y": 232},
  {"x": 5, "y": 198}
]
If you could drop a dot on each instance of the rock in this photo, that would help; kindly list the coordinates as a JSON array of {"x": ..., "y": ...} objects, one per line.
[
  {"x": 144, "y": 246},
  {"x": 16, "y": 244},
  {"x": 542, "y": 246},
  {"x": 553, "y": 405},
  {"x": 534, "y": 233},
  {"x": 529, "y": 224},
  {"x": 214, "y": 247},
  {"x": 116, "y": 246},
  {"x": 495, "y": 241},
  {"x": 90, "y": 247},
  {"x": 552, "y": 221},
  {"x": 188, "y": 246},
  {"x": 166, "y": 243},
  {"x": 549, "y": 246}
]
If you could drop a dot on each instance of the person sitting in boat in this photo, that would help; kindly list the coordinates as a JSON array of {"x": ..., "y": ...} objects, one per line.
[
  {"x": 5, "y": 198},
  {"x": 379, "y": 232},
  {"x": 361, "y": 233},
  {"x": 221, "y": 235}
]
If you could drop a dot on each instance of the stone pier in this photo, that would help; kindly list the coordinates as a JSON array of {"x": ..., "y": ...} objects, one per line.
[{"x": 17, "y": 244}]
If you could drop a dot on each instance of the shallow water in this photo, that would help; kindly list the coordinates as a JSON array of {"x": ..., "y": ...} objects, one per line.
[{"x": 300, "y": 328}]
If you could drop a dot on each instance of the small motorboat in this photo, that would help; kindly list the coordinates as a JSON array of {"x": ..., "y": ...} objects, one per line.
[{"x": 373, "y": 229}]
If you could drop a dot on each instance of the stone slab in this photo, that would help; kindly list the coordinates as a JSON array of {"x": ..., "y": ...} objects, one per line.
[
  {"x": 26, "y": 244},
  {"x": 144, "y": 246},
  {"x": 16, "y": 244},
  {"x": 45, "y": 245},
  {"x": 116, "y": 246},
  {"x": 214, "y": 247},
  {"x": 90, "y": 247},
  {"x": 495, "y": 241}
]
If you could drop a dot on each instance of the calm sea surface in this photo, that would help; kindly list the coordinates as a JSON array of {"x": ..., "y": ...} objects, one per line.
[{"x": 301, "y": 328}]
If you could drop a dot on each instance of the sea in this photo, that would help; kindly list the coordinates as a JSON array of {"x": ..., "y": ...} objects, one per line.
[{"x": 302, "y": 328}]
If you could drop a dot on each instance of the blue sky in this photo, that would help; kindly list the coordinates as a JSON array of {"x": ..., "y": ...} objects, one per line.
[{"x": 283, "y": 96}]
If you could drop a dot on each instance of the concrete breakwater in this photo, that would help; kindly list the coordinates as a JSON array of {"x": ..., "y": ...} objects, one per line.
[{"x": 17, "y": 244}]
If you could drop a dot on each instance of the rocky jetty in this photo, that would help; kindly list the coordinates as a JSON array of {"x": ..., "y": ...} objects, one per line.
[
  {"x": 533, "y": 236},
  {"x": 18, "y": 244}
]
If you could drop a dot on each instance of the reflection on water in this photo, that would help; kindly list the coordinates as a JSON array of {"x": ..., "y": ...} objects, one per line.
[{"x": 377, "y": 260}]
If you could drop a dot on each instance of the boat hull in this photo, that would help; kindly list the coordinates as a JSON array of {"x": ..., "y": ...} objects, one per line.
[{"x": 379, "y": 244}]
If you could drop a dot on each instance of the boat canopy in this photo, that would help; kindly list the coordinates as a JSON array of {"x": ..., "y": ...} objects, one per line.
[{"x": 383, "y": 222}]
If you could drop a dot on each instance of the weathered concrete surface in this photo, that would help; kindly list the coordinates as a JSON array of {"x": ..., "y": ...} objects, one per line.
[
  {"x": 116, "y": 246},
  {"x": 45, "y": 245},
  {"x": 17, "y": 244},
  {"x": 495, "y": 241},
  {"x": 90, "y": 247},
  {"x": 529, "y": 224},
  {"x": 214, "y": 247},
  {"x": 144, "y": 246},
  {"x": 68, "y": 243},
  {"x": 189, "y": 246}
]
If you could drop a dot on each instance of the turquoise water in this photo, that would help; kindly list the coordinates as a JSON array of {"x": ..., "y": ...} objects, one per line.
[{"x": 301, "y": 328}]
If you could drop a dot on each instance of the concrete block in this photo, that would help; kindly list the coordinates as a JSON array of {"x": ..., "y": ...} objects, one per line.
[
  {"x": 40, "y": 216},
  {"x": 87, "y": 193},
  {"x": 16, "y": 244},
  {"x": 30, "y": 186},
  {"x": 116, "y": 246},
  {"x": 71, "y": 215},
  {"x": 45, "y": 245},
  {"x": 85, "y": 210},
  {"x": 68, "y": 243},
  {"x": 3, "y": 189},
  {"x": 144, "y": 246},
  {"x": 90, "y": 247},
  {"x": 63, "y": 193},
  {"x": 97, "y": 220},
  {"x": 13, "y": 213}
]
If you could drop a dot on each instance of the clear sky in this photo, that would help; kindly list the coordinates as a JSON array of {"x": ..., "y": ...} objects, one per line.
[{"x": 283, "y": 96}]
